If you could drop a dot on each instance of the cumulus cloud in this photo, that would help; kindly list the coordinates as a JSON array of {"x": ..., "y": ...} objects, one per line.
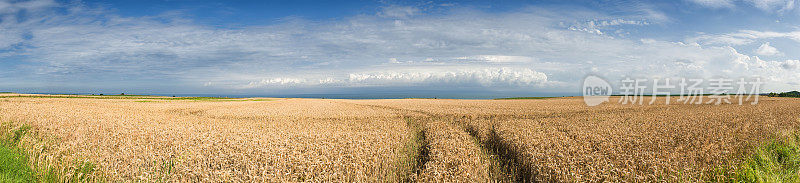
[
  {"x": 767, "y": 50},
  {"x": 790, "y": 64}
]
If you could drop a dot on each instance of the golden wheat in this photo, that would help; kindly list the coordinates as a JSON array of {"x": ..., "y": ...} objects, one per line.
[{"x": 557, "y": 139}]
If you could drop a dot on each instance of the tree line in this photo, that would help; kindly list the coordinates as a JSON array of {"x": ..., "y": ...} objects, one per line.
[{"x": 785, "y": 94}]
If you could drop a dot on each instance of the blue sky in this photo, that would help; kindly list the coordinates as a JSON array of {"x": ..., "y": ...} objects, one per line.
[{"x": 352, "y": 47}]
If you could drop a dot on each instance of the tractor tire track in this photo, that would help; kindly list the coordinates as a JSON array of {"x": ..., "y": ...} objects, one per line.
[{"x": 507, "y": 158}]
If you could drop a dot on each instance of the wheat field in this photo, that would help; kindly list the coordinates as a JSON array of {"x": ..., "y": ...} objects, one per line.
[{"x": 395, "y": 140}]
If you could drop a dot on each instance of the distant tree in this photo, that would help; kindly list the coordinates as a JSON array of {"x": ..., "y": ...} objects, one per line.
[{"x": 786, "y": 94}]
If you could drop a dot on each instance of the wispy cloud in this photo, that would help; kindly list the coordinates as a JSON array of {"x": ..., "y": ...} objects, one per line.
[
  {"x": 744, "y": 37},
  {"x": 714, "y": 3},
  {"x": 779, "y": 6},
  {"x": 770, "y": 6},
  {"x": 395, "y": 11},
  {"x": 598, "y": 26}
]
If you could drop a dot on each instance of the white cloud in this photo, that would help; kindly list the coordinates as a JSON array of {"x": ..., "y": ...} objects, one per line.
[
  {"x": 771, "y": 6},
  {"x": 598, "y": 26},
  {"x": 9, "y": 38},
  {"x": 463, "y": 77},
  {"x": 767, "y": 50},
  {"x": 329, "y": 80},
  {"x": 439, "y": 76},
  {"x": 9, "y": 35},
  {"x": 7, "y": 7},
  {"x": 396, "y": 11},
  {"x": 743, "y": 37},
  {"x": 495, "y": 58},
  {"x": 780, "y": 6},
  {"x": 275, "y": 81},
  {"x": 714, "y": 3},
  {"x": 790, "y": 64}
]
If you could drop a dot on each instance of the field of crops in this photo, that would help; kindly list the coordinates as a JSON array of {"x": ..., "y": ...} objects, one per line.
[{"x": 547, "y": 139}]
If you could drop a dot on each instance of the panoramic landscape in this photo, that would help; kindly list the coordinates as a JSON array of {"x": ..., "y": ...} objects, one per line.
[{"x": 399, "y": 91}]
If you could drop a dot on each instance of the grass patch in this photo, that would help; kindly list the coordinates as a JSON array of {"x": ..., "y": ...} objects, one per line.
[
  {"x": 121, "y": 97},
  {"x": 415, "y": 152},
  {"x": 18, "y": 165},
  {"x": 13, "y": 160},
  {"x": 523, "y": 98},
  {"x": 145, "y": 101},
  {"x": 774, "y": 161},
  {"x": 777, "y": 160},
  {"x": 14, "y": 166}
]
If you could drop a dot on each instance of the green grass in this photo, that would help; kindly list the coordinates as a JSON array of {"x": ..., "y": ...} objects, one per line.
[
  {"x": 775, "y": 161},
  {"x": 145, "y": 101},
  {"x": 523, "y": 98},
  {"x": 13, "y": 161},
  {"x": 123, "y": 97},
  {"x": 16, "y": 166}
]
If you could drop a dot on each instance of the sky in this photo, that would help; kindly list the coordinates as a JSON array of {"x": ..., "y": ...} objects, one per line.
[{"x": 502, "y": 48}]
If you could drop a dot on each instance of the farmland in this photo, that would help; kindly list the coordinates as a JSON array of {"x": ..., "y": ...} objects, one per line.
[{"x": 277, "y": 139}]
